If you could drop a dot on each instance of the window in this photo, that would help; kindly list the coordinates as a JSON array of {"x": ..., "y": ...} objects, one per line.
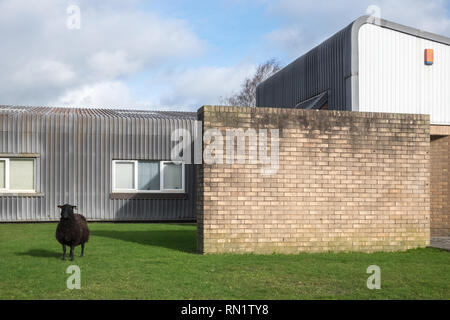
[
  {"x": 147, "y": 176},
  {"x": 172, "y": 175},
  {"x": 17, "y": 174}
]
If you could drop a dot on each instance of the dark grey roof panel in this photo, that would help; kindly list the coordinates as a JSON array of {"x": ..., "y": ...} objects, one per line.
[{"x": 324, "y": 68}]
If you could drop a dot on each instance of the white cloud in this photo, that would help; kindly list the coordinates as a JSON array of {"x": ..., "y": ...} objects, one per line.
[
  {"x": 202, "y": 86},
  {"x": 102, "y": 94},
  {"x": 289, "y": 38},
  {"x": 42, "y": 60},
  {"x": 309, "y": 22},
  {"x": 120, "y": 46},
  {"x": 428, "y": 15},
  {"x": 48, "y": 72},
  {"x": 113, "y": 64},
  {"x": 186, "y": 89},
  {"x": 45, "y": 63}
]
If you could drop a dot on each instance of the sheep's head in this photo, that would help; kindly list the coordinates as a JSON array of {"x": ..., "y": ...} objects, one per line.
[{"x": 66, "y": 210}]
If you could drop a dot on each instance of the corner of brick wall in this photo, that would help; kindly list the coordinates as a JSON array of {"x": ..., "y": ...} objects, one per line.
[
  {"x": 347, "y": 181},
  {"x": 440, "y": 185}
]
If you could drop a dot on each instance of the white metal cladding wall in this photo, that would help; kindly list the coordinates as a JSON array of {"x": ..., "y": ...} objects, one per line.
[
  {"x": 74, "y": 167},
  {"x": 394, "y": 78},
  {"x": 324, "y": 68}
]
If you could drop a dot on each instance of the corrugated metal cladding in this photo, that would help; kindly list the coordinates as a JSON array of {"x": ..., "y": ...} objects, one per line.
[
  {"x": 393, "y": 76},
  {"x": 323, "y": 69},
  {"x": 76, "y": 148}
]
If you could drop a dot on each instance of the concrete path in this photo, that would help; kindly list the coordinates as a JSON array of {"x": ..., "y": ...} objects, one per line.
[{"x": 440, "y": 242}]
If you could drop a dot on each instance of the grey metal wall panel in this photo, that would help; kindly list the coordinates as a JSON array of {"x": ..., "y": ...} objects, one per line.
[
  {"x": 323, "y": 69},
  {"x": 76, "y": 150}
]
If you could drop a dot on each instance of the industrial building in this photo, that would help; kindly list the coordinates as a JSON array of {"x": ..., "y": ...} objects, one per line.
[
  {"x": 371, "y": 65},
  {"x": 114, "y": 165}
]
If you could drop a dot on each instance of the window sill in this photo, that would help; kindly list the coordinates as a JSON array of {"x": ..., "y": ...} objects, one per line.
[
  {"x": 21, "y": 194},
  {"x": 148, "y": 195}
]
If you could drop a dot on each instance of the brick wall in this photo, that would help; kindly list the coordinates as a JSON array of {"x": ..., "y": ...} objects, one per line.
[
  {"x": 439, "y": 185},
  {"x": 347, "y": 181}
]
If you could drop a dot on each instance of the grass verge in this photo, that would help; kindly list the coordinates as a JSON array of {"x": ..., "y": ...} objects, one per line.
[{"x": 158, "y": 261}]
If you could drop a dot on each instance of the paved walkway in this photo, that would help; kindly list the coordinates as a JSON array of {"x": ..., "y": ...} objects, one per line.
[{"x": 440, "y": 242}]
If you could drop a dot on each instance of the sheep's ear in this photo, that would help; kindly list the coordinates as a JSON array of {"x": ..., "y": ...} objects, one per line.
[
  {"x": 74, "y": 207},
  {"x": 60, "y": 207}
]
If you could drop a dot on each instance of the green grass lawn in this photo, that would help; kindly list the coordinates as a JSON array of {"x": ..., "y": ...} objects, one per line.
[{"x": 158, "y": 261}]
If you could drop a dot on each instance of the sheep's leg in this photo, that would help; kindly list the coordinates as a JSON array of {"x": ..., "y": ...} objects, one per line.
[
  {"x": 64, "y": 252},
  {"x": 82, "y": 249},
  {"x": 71, "y": 252}
]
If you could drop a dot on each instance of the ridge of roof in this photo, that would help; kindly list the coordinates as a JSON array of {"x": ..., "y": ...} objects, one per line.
[{"x": 120, "y": 113}]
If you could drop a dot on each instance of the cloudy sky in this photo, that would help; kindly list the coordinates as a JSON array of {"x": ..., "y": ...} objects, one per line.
[{"x": 168, "y": 55}]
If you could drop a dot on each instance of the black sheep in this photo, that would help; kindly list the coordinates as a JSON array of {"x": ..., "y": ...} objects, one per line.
[{"x": 72, "y": 230}]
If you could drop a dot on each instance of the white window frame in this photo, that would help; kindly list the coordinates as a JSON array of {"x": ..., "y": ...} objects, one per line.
[
  {"x": 161, "y": 175},
  {"x": 7, "y": 178},
  {"x": 6, "y": 175},
  {"x": 114, "y": 175},
  {"x": 136, "y": 178}
]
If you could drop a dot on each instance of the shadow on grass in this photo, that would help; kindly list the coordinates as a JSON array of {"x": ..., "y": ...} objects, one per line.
[
  {"x": 40, "y": 253},
  {"x": 180, "y": 240}
]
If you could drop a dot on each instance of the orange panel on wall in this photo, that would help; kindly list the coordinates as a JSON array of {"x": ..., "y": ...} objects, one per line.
[{"x": 429, "y": 56}]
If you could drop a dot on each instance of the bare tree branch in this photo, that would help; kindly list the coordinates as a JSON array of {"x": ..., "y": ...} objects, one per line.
[{"x": 247, "y": 96}]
